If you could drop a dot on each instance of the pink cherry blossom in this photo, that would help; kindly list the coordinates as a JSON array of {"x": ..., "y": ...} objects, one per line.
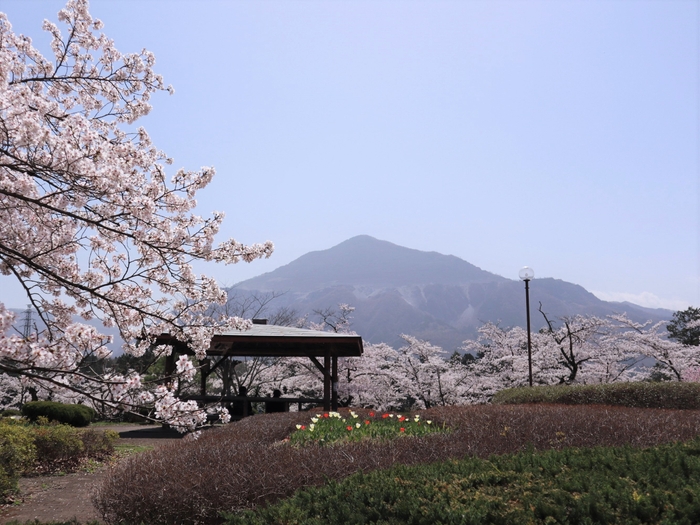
[{"x": 91, "y": 223}]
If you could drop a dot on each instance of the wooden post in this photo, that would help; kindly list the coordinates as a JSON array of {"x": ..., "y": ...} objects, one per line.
[
  {"x": 170, "y": 367},
  {"x": 334, "y": 381},
  {"x": 327, "y": 381},
  {"x": 204, "y": 366},
  {"x": 226, "y": 376}
]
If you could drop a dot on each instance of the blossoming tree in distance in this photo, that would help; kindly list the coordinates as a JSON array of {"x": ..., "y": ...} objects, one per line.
[{"x": 90, "y": 224}]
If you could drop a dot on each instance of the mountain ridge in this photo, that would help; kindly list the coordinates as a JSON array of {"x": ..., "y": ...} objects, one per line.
[{"x": 440, "y": 298}]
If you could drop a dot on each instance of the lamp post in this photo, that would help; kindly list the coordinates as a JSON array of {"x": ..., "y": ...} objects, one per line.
[{"x": 527, "y": 274}]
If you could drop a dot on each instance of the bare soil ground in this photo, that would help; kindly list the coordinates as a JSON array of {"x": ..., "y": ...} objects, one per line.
[{"x": 64, "y": 497}]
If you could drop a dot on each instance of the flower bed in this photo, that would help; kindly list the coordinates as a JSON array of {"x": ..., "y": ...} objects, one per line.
[{"x": 331, "y": 427}]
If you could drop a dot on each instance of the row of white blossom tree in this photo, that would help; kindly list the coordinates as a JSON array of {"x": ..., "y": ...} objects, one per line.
[{"x": 571, "y": 350}]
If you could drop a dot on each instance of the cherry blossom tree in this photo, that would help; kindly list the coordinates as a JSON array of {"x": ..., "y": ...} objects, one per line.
[
  {"x": 90, "y": 224},
  {"x": 415, "y": 376},
  {"x": 590, "y": 349},
  {"x": 373, "y": 380},
  {"x": 378, "y": 379},
  {"x": 332, "y": 320},
  {"x": 502, "y": 358},
  {"x": 577, "y": 349},
  {"x": 574, "y": 342},
  {"x": 429, "y": 379},
  {"x": 651, "y": 340}
]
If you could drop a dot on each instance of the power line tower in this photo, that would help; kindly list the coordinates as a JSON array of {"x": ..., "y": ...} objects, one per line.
[{"x": 27, "y": 328}]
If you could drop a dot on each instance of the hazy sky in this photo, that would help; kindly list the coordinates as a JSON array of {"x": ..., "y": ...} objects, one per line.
[{"x": 562, "y": 135}]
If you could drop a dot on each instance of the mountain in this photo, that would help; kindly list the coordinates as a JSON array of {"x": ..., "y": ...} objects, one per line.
[
  {"x": 436, "y": 297},
  {"x": 367, "y": 262}
]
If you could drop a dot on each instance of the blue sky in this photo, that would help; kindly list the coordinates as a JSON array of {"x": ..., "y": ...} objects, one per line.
[{"x": 559, "y": 135}]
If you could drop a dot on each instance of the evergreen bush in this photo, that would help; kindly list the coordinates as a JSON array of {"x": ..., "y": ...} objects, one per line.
[
  {"x": 74, "y": 415},
  {"x": 619, "y": 485},
  {"x": 675, "y": 395}
]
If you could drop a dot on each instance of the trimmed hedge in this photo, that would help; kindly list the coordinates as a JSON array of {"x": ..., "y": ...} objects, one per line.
[
  {"x": 572, "y": 486},
  {"x": 674, "y": 395},
  {"x": 73, "y": 415},
  {"x": 57, "y": 443},
  {"x": 63, "y": 448},
  {"x": 17, "y": 454},
  {"x": 27, "y": 448}
]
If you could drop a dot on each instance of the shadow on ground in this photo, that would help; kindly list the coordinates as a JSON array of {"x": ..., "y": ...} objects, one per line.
[{"x": 150, "y": 432}]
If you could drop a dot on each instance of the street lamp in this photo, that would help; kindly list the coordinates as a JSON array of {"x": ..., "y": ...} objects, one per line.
[{"x": 527, "y": 274}]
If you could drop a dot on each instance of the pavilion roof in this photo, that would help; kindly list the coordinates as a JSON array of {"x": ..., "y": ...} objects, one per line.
[{"x": 267, "y": 340}]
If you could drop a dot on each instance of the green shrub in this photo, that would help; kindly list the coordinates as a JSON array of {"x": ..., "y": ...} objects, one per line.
[
  {"x": 571, "y": 486},
  {"x": 64, "y": 448},
  {"x": 57, "y": 443},
  {"x": 10, "y": 412},
  {"x": 674, "y": 395},
  {"x": 26, "y": 447},
  {"x": 97, "y": 443},
  {"x": 74, "y": 415},
  {"x": 17, "y": 454}
]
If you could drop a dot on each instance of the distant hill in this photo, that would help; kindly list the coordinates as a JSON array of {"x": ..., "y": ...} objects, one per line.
[{"x": 440, "y": 298}]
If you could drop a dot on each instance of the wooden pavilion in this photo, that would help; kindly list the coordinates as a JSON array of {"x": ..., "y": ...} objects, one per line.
[{"x": 264, "y": 340}]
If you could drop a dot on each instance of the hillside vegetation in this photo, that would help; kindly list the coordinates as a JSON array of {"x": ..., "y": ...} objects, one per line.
[
  {"x": 251, "y": 463},
  {"x": 619, "y": 485}
]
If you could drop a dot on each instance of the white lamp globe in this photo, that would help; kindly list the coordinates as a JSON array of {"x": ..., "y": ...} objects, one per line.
[{"x": 526, "y": 273}]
